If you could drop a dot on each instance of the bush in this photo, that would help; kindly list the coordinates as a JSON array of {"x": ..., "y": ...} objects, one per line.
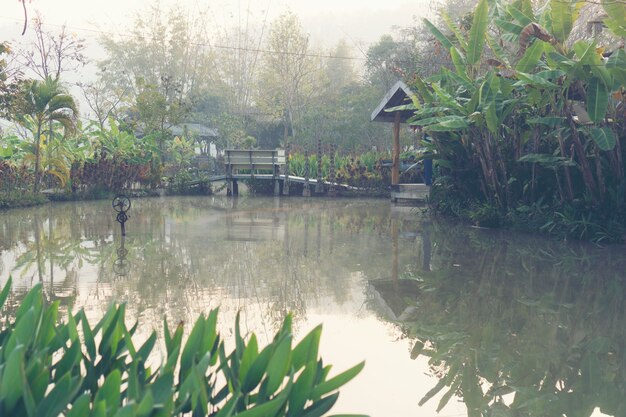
[
  {"x": 15, "y": 199},
  {"x": 50, "y": 369}
]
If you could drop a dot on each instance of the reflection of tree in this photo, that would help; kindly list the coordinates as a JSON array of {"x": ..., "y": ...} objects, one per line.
[
  {"x": 521, "y": 327},
  {"x": 302, "y": 255}
]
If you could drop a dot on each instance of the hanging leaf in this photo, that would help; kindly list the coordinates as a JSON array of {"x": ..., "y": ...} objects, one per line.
[
  {"x": 459, "y": 61},
  {"x": 534, "y": 80},
  {"x": 603, "y": 137},
  {"x": 597, "y": 100},
  {"x": 511, "y": 27},
  {"x": 550, "y": 121},
  {"x": 445, "y": 42},
  {"x": 531, "y": 57}
]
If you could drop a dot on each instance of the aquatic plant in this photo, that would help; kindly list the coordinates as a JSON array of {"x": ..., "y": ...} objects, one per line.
[{"x": 52, "y": 368}]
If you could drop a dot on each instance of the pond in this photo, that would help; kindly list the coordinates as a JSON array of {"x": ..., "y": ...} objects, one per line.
[{"x": 451, "y": 320}]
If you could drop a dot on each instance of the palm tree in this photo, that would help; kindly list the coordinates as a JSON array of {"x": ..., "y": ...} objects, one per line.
[{"x": 47, "y": 102}]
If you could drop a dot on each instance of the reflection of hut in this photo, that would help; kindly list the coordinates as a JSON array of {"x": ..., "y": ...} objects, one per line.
[{"x": 400, "y": 94}]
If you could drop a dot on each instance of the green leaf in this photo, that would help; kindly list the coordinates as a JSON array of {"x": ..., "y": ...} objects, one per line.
[
  {"x": 534, "y": 80},
  {"x": 278, "y": 366},
  {"x": 268, "y": 409},
  {"x": 451, "y": 124},
  {"x": 518, "y": 15},
  {"x": 477, "y": 33},
  {"x": 563, "y": 15},
  {"x": 257, "y": 370},
  {"x": 321, "y": 407},
  {"x": 454, "y": 28},
  {"x": 5, "y": 292},
  {"x": 13, "y": 378},
  {"x": 531, "y": 57},
  {"x": 307, "y": 349},
  {"x": 509, "y": 26},
  {"x": 58, "y": 399},
  {"x": 110, "y": 390},
  {"x": 337, "y": 381},
  {"x": 80, "y": 407},
  {"x": 459, "y": 61},
  {"x": 193, "y": 348},
  {"x": 90, "y": 343},
  {"x": 597, "y": 99},
  {"x": 302, "y": 389},
  {"x": 250, "y": 353},
  {"x": 616, "y": 21},
  {"x": 445, "y": 42},
  {"x": 604, "y": 138}
]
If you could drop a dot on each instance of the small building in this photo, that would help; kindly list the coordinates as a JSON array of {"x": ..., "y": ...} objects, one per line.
[{"x": 400, "y": 94}]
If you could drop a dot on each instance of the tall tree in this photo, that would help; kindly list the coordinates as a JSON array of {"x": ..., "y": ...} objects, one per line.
[
  {"x": 163, "y": 55},
  {"x": 47, "y": 102},
  {"x": 285, "y": 70},
  {"x": 52, "y": 53}
]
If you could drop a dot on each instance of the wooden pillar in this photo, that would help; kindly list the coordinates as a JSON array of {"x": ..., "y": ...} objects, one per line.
[
  {"x": 319, "y": 187},
  {"x": 286, "y": 183},
  {"x": 306, "y": 190},
  {"x": 332, "y": 191},
  {"x": 395, "y": 154}
]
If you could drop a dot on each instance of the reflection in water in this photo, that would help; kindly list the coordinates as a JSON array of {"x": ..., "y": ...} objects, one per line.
[
  {"x": 515, "y": 326},
  {"x": 121, "y": 266}
]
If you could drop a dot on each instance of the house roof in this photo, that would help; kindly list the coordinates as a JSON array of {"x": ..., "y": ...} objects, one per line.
[
  {"x": 397, "y": 95},
  {"x": 196, "y": 129}
]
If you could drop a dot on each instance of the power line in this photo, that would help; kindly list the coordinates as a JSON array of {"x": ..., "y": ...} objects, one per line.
[{"x": 207, "y": 45}]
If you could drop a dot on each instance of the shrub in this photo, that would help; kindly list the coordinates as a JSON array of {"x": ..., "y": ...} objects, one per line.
[{"x": 50, "y": 369}]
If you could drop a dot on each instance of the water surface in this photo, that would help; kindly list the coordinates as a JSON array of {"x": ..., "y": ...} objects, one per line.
[{"x": 482, "y": 321}]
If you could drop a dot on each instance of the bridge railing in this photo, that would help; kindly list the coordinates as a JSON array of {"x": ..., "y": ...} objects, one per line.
[{"x": 253, "y": 160}]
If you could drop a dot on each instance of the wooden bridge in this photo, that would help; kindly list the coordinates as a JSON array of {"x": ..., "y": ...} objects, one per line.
[{"x": 268, "y": 165}]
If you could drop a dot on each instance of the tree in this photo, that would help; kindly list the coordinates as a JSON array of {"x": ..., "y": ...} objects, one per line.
[
  {"x": 47, "y": 102},
  {"x": 10, "y": 80},
  {"x": 285, "y": 69},
  {"x": 390, "y": 60},
  {"x": 162, "y": 54},
  {"x": 51, "y": 54}
]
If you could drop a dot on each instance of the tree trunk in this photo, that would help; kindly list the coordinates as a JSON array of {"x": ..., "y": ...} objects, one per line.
[{"x": 37, "y": 157}]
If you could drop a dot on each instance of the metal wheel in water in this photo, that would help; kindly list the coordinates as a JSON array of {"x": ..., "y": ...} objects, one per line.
[
  {"x": 122, "y": 217},
  {"x": 121, "y": 203}
]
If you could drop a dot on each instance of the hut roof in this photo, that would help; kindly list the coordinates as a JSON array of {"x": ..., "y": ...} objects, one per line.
[
  {"x": 397, "y": 95},
  {"x": 196, "y": 129}
]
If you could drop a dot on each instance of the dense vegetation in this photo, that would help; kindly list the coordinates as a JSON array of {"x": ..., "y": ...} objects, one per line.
[
  {"x": 529, "y": 126},
  {"x": 521, "y": 106},
  {"x": 71, "y": 368}
]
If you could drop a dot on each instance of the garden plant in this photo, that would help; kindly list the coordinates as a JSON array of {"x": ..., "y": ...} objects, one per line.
[{"x": 52, "y": 367}]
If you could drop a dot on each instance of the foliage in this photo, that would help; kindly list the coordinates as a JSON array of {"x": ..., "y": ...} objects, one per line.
[
  {"x": 530, "y": 119},
  {"x": 10, "y": 81},
  {"x": 75, "y": 369},
  {"x": 16, "y": 199},
  {"x": 46, "y": 103},
  {"x": 506, "y": 331}
]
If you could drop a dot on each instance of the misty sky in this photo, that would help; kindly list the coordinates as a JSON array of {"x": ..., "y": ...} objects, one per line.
[{"x": 360, "y": 22}]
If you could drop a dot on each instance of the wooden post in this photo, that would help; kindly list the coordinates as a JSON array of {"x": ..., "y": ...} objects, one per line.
[
  {"x": 332, "y": 192},
  {"x": 229, "y": 175},
  {"x": 286, "y": 184},
  {"x": 319, "y": 187},
  {"x": 275, "y": 174},
  {"x": 395, "y": 156},
  {"x": 306, "y": 190}
]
